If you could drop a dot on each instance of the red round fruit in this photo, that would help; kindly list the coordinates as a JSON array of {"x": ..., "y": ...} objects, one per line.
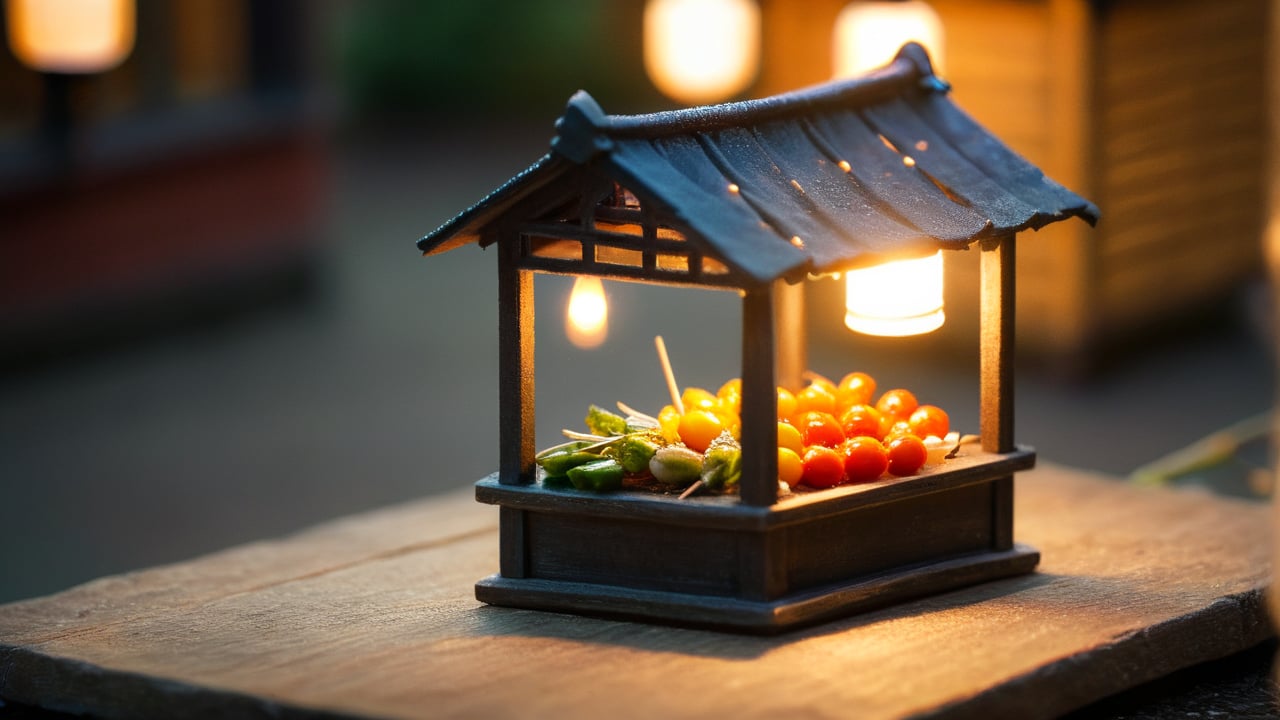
[
  {"x": 823, "y": 467},
  {"x": 865, "y": 459},
  {"x": 861, "y": 420},
  {"x": 820, "y": 428},
  {"x": 929, "y": 420},
  {"x": 897, "y": 403},
  {"x": 907, "y": 455}
]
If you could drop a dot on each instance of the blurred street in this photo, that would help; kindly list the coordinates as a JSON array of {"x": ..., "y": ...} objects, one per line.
[
  {"x": 370, "y": 378},
  {"x": 380, "y": 387}
]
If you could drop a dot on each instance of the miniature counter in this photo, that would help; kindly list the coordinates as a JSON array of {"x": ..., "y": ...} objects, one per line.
[{"x": 374, "y": 615}]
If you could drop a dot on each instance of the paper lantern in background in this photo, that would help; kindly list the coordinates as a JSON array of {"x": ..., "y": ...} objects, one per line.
[
  {"x": 701, "y": 51},
  {"x": 868, "y": 34},
  {"x": 71, "y": 36}
]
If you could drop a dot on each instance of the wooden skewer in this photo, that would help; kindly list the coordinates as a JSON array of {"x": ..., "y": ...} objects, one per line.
[
  {"x": 667, "y": 372},
  {"x": 691, "y": 490},
  {"x": 964, "y": 440}
]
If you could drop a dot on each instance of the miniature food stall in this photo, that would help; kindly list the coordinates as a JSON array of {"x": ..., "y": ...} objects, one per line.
[{"x": 752, "y": 196}]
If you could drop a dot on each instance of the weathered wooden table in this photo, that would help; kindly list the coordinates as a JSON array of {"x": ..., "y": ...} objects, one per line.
[{"x": 374, "y": 615}]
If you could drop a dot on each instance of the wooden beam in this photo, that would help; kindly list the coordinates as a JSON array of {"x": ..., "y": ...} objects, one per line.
[
  {"x": 759, "y": 485},
  {"x": 515, "y": 365}
]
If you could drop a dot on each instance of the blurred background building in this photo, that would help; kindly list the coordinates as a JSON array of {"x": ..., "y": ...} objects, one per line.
[{"x": 214, "y": 326}]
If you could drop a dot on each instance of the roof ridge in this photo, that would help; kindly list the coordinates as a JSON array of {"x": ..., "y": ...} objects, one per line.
[{"x": 585, "y": 129}]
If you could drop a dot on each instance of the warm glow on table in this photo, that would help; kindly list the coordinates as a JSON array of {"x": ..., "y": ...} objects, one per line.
[
  {"x": 869, "y": 34},
  {"x": 701, "y": 51},
  {"x": 903, "y": 297},
  {"x": 70, "y": 36}
]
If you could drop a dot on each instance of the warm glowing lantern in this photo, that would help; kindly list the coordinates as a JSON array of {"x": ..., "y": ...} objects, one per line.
[
  {"x": 71, "y": 36},
  {"x": 868, "y": 34},
  {"x": 902, "y": 297},
  {"x": 588, "y": 316},
  {"x": 699, "y": 51}
]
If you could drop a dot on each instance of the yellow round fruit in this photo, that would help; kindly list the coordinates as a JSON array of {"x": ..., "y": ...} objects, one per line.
[
  {"x": 730, "y": 395},
  {"x": 790, "y": 466},
  {"x": 789, "y": 438},
  {"x": 697, "y": 398},
  {"x": 669, "y": 423},
  {"x": 699, "y": 427},
  {"x": 786, "y": 404},
  {"x": 731, "y": 421}
]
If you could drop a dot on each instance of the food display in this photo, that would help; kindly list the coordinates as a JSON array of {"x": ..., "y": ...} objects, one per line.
[{"x": 829, "y": 434}]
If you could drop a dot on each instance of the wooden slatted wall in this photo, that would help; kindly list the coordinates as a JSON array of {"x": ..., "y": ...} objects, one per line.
[{"x": 1181, "y": 169}]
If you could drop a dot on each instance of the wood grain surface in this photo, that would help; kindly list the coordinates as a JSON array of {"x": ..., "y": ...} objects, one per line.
[{"x": 374, "y": 615}]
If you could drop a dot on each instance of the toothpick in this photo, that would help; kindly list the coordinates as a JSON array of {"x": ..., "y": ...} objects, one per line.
[
  {"x": 575, "y": 435},
  {"x": 667, "y": 372},
  {"x": 691, "y": 490},
  {"x": 632, "y": 412}
]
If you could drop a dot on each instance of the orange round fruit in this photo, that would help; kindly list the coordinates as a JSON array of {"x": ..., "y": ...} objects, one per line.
[
  {"x": 890, "y": 428},
  {"x": 865, "y": 459},
  {"x": 897, "y": 404},
  {"x": 819, "y": 428},
  {"x": 861, "y": 420},
  {"x": 823, "y": 467},
  {"x": 815, "y": 398},
  {"x": 856, "y": 388},
  {"x": 929, "y": 420},
  {"x": 821, "y": 381},
  {"x": 907, "y": 454}
]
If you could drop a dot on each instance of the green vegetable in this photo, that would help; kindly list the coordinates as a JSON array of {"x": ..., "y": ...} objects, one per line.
[
  {"x": 676, "y": 465},
  {"x": 556, "y": 481},
  {"x": 558, "y": 460},
  {"x": 722, "y": 464},
  {"x": 600, "y": 476},
  {"x": 602, "y": 422},
  {"x": 635, "y": 451}
]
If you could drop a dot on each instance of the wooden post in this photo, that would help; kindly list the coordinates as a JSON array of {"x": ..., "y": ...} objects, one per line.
[
  {"x": 788, "y": 304},
  {"x": 759, "y": 484},
  {"x": 996, "y": 375},
  {"x": 515, "y": 365}
]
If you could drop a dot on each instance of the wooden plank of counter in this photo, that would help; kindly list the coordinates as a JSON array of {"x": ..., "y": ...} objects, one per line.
[{"x": 374, "y": 615}]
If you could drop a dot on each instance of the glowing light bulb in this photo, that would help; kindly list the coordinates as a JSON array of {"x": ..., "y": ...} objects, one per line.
[
  {"x": 869, "y": 34},
  {"x": 71, "y": 36},
  {"x": 701, "y": 51},
  {"x": 588, "y": 315},
  {"x": 902, "y": 297}
]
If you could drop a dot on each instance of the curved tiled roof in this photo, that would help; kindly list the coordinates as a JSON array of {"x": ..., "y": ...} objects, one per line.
[{"x": 815, "y": 180}]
